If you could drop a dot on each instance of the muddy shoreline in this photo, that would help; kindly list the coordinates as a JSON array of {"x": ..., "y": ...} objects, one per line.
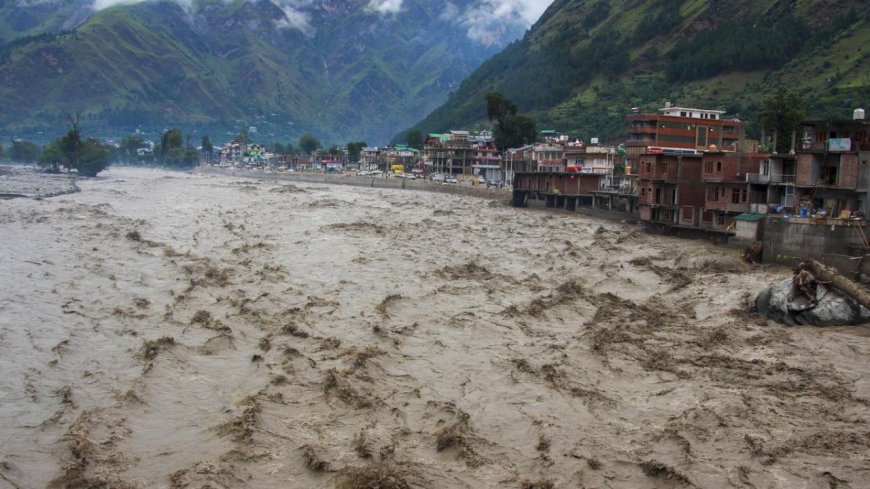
[
  {"x": 178, "y": 330},
  {"x": 28, "y": 182}
]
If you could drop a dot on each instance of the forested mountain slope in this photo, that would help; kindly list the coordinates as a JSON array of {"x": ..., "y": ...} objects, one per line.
[
  {"x": 586, "y": 63},
  {"x": 340, "y": 69}
]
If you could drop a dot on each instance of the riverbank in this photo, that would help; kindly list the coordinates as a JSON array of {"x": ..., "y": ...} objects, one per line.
[
  {"x": 360, "y": 181},
  {"x": 28, "y": 182},
  {"x": 182, "y": 330}
]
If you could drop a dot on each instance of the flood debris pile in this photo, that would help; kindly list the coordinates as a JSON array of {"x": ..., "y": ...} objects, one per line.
[
  {"x": 314, "y": 336},
  {"x": 816, "y": 295}
]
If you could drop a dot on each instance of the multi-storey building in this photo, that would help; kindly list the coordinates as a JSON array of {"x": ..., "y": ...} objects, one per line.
[
  {"x": 592, "y": 158},
  {"x": 486, "y": 161},
  {"x": 681, "y": 128},
  {"x": 448, "y": 153},
  {"x": 831, "y": 166},
  {"x": 730, "y": 190},
  {"x": 670, "y": 190}
]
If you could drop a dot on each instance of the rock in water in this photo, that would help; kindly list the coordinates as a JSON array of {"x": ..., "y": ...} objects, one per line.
[{"x": 833, "y": 308}]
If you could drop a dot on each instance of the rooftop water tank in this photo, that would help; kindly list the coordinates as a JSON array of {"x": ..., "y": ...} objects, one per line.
[{"x": 858, "y": 115}]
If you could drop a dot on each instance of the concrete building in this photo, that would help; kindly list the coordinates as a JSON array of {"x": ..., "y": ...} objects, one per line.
[
  {"x": 670, "y": 189},
  {"x": 831, "y": 166},
  {"x": 591, "y": 158},
  {"x": 448, "y": 153},
  {"x": 681, "y": 128},
  {"x": 729, "y": 190}
]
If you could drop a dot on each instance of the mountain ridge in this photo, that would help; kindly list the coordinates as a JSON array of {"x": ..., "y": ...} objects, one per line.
[
  {"x": 224, "y": 66},
  {"x": 587, "y": 63}
]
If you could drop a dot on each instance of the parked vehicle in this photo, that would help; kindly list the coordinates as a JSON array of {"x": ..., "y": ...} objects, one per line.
[
  {"x": 451, "y": 180},
  {"x": 439, "y": 178},
  {"x": 481, "y": 180}
]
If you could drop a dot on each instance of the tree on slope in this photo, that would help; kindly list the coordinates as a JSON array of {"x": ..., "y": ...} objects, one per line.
[
  {"x": 782, "y": 114},
  {"x": 511, "y": 130}
]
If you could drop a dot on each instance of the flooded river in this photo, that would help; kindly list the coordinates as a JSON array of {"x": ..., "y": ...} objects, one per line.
[{"x": 172, "y": 330}]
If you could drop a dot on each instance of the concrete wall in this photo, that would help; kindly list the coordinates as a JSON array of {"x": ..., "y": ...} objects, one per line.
[{"x": 788, "y": 241}]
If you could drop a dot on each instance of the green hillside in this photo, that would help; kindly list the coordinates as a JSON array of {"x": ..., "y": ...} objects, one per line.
[
  {"x": 222, "y": 66},
  {"x": 587, "y": 63}
]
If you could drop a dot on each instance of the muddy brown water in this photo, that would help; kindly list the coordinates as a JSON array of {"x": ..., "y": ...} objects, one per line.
[{"x": 185, "y": 331}]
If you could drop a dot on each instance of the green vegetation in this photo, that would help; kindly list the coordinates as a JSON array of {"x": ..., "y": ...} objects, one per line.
[
  {"x": 354, "y": 149},
  {"x": 415, "y": 139},
  {"x": 147, "y": 66},
  {"x": 782, "y": 113},
  {"x": 173, "y": 153},
  {"x": 24, "y": 151},
  {"x": 308, "y": 144},
  {"x": 586, "y": 64},
  {"x": 88, "y": 157},
  {"x": 511, "y": 130}
]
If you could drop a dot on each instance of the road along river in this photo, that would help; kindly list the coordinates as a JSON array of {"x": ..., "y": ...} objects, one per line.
[{"x": 184, "y": 331}]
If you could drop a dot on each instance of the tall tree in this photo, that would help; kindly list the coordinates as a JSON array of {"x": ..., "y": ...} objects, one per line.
[
  {"x": 782, "y": 113},
  {"x": 170, "y": 142},
  {"x": 289, "y": 149},
  {"x": 278, "y": 148},
  {"x": 511, "y": 130},
  {"x": 88, "y": 157},
  {"x": 207, "y": 148},
  {"x": 415, "y": 139},
  {"x": 498, "y": 107},
  {"x": 354, "y": 149},
  {"x": 244, "y": 137},
  {"x": 308, "y": 143}
]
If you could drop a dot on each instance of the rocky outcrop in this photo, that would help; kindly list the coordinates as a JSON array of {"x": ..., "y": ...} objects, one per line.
[{"x": 833, "y": 308}]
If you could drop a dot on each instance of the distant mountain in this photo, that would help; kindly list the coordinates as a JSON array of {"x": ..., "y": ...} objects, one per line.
[
  {"x": 22, "y": 18},
  {"x": 343, "y": 70},
  {"x": 586, "y": 63}
]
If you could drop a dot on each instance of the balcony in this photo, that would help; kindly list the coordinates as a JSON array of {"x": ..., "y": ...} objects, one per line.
[
  {"x": 757, "y": 178},
  {"x": 781, "y": 179}
]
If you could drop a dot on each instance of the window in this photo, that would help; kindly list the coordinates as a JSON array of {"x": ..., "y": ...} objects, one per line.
[
  {"x": 712, "y": 194},
  {"x": 743, "y": 195},
  {"x": 718, "y": 166},
  {"x": 720, "y": 218},
  {"x": 735, "y": 196},
  {"x": 707, "y": 216},
  {"x": 682, "y": 114},
  {"x": 708, "y": 167}
]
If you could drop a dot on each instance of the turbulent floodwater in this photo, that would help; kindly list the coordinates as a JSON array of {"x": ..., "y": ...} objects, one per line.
[{"x": 189, "y": 331}]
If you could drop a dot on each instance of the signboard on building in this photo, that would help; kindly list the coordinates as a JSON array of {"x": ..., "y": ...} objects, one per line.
[{"x": 840, "y": 144}]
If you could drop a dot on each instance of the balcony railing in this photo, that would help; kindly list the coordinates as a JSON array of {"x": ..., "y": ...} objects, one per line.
[
  {"x": 757, "y": 178},
  {"x": 781, "y": 178}
]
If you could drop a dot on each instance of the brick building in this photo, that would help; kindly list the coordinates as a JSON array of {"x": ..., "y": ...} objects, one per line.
[
  {"x": 671, "y": 191},
  {"x": 729, "y": 189},
  {"x": 831, "y": 166},
  {"x": 681, "y": 128}
]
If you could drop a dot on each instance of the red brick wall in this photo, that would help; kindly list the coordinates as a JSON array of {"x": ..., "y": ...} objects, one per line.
[
  {"x": 691, "y": 168},
  {"x": 803, "y": 170},
  {"x": 849, "y": 171},
  {"x": 691, "y": 194}
]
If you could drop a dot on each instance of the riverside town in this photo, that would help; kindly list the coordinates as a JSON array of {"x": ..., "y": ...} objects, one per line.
[
  {"x": 683, "y": 171},
  {"x": 434, "y": 244}
]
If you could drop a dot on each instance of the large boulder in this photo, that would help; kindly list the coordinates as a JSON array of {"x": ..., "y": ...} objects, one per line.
[{"x": 833, "y": 308}]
